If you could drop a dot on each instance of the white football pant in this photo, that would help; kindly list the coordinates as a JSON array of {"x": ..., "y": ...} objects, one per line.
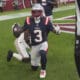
[
  {"x": 35, "y": 56},
  {"x": 21, "y": 47}
]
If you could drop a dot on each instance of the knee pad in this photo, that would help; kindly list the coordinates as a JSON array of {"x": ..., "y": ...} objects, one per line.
[{"x": 34, "y": 68}]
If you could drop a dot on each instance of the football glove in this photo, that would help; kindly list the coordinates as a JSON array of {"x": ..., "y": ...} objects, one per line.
[
  {"x": 16, "y": 30},
  {"x": 57, "y": 29}
]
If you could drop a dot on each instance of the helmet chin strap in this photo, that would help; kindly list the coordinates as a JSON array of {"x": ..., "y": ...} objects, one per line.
[{"x": 37, "y": 19}]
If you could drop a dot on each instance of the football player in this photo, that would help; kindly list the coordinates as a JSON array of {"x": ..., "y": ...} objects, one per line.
[
  {"x": 22, "y": 45},
  {"x": 39, "y": 27},
  {"x": 77, "y": 36}
]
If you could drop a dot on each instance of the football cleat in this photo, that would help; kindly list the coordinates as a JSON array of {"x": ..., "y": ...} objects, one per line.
[
  {"x": 42, "y": 73},
  {"x": 9, "y": 56}
]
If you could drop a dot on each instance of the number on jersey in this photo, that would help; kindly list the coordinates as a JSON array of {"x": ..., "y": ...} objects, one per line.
[{"x": 38, "y": 35}]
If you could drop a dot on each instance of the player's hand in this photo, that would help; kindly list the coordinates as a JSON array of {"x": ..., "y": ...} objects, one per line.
[
  {"x": 57, "y": 29},
  {"x": 16, "y": 29}
]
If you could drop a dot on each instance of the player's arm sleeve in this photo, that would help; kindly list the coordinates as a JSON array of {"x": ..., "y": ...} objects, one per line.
[{"x": 51, "y": 27}]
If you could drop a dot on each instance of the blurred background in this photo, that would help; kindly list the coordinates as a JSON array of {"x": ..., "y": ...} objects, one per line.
[{"x": 20, "y": 4}]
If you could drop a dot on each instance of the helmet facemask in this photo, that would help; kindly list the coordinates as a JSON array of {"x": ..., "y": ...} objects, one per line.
[{"x": 37, "y": 12}]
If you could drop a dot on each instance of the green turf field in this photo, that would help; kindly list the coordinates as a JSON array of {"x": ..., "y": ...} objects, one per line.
[{"x": 60, "y": 65}]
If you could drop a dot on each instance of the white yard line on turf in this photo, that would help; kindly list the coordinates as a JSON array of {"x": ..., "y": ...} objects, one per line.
[
  {"x": 12, "y": 16},
  {"x": 68, "y": 32},
  {"x": 69, "y": 27}
]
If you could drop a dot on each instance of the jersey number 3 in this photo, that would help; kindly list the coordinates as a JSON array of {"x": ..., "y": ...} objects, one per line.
[{"x": 38, "y": 35}]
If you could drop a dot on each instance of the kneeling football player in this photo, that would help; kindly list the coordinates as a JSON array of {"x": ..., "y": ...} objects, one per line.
[
  {"x": 39, "y": 27},
  {"x": 22, "y": 45}
]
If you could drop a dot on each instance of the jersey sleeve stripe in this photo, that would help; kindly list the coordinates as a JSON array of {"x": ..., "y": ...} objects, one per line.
[
  {"x": 46, "y": 21},
  {"x": 28, "y": 20}
]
